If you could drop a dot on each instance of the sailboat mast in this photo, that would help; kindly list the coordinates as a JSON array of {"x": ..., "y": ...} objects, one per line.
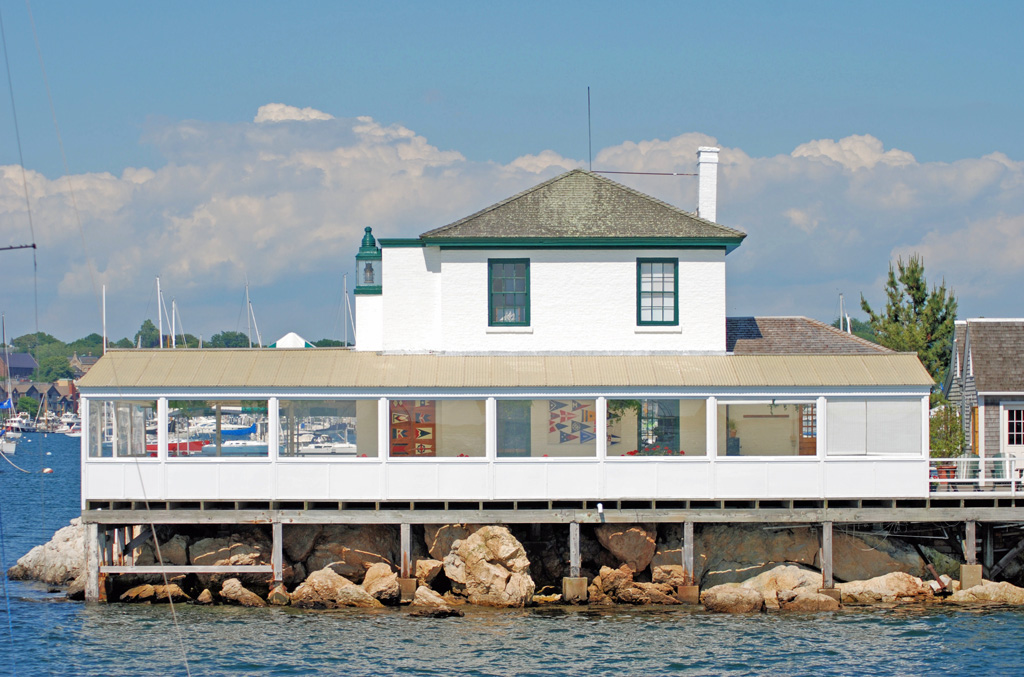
[
  {"x": 173, "y": 327},
  {"x": 159, "y": 312},
  {"x": 344, "y": 285},
  {"x": 248, "y": 311}
]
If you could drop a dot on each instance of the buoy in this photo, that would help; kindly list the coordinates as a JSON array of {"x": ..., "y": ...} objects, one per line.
[
  {"x": 47, "y": 471},
  {"x": 47, "y": 453}
]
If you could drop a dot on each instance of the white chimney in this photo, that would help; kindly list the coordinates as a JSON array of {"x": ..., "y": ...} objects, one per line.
[{"x": 707, "y": 182}]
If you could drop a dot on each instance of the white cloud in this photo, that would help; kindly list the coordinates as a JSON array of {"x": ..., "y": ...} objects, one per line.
[
  {"x": 854, "y": 152},
  {"x": 285, "y": 206},
  {"x": 279, "y": 112}
]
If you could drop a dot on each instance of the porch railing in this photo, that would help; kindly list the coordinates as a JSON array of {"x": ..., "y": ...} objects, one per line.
[{"x": 976, "y": 475}]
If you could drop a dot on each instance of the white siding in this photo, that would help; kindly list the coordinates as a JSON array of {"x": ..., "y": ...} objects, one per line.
[{"x": 580, "y": 300}]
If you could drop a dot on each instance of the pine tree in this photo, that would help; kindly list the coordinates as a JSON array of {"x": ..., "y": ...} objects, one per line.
[{"x": 914, "y": 319}]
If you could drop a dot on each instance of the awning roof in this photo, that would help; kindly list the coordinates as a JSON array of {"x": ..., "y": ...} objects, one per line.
[{"x": 342, "y": 368}]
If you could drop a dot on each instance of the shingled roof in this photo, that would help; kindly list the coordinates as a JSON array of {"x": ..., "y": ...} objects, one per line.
[
  {"x": 792, "y": 336},
  {"x": 997, "y": 355},
  {"x": 581, "y": 204}
]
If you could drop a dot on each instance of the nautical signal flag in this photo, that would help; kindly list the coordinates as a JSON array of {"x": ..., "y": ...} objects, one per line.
[{"x": 7, "y": 404}]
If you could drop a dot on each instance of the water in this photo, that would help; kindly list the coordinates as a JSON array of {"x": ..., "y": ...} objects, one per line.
[{"x": 55, "y": 637}]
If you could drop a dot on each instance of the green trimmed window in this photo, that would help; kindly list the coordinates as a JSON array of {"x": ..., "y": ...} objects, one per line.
[
  {"x": 508, "y": 298},
  {"x": 657, "y": 291}
]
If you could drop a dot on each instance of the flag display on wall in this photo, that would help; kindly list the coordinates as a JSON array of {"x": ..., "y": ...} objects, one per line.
[
  {"x": 413, "y": 425},
  {"x": 571, "y": 421}
]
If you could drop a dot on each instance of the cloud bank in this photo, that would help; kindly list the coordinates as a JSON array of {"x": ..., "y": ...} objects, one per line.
[{"x": 282, "y": 201}]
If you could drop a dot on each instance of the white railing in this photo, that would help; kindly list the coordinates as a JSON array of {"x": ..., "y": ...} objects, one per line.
[{"x": 976, "y": 475}]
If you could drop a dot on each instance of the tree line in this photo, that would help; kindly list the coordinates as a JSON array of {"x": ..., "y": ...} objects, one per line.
[{"x": 53, "y": 355}]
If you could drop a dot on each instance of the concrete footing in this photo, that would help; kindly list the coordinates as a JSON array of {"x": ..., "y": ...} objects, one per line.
[
  {"x": 831, "y": 592},
  {"x": 970, "y": 576},
  {"x": 574, "y": 590},
  {"x": 408, "y": 587},
  {"x": 688, "y": 594}
]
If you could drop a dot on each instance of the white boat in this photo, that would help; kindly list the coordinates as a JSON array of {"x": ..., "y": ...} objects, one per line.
[
  {"x": 8, "y": 438},
  {"x": 8, "y": 443},
  {"x": 69, "y": 422},
  {"x": 22, "y": 423}
]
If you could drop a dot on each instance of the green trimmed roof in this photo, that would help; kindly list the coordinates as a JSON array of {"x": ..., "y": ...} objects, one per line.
[{"x": 581, "y": 204}]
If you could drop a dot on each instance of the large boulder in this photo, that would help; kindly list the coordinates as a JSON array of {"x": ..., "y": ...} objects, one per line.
[
  {"x": 732, "y": 599},
  {"x": 173, "y": 551},
  {"x": 657, "y": 593},
  {"x": 382, "y": 584},
  {"x": 233, "y": 550},
  {"x": 439, "y": 537},
  {"x": 893, "y": 588},
  {"x": 155, "y": 594},
  {"x": 490, "y": 568},
  {"x": 298, "y": 540},
  {"x": 325, "y": 589},
  {"x": 351, "y": 550},
  {"x": 427, "y": 597},
  {"x": 783, "y": 578},
  {"x": 670, "y": 574},
  {"x": 632, "y": 544},
  {"x": 57, "y": 562},
  {"x": 989, "y": 593},
  {"x": 615, "y": 582},
  {"x": 427, "y": 570},
  {"x": 233, "y": 592},
  {"x": 805, "y": 599},
  {"x": 863, "y": 556}
]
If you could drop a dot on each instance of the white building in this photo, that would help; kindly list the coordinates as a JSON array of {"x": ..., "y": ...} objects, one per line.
[{"x": 569, "y": 343}]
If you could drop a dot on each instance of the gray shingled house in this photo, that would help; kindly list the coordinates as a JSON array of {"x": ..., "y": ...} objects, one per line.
[{"x": 986, "y": 383}]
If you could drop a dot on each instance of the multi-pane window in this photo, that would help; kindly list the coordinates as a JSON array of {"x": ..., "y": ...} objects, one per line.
[
  {"x": 657, "y": 291},
  {"x": 1015, "y": 427},
  {"x": 508, "y": 298}
]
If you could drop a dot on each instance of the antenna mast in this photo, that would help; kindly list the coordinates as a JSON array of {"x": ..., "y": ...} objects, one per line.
[
  {"x": 159, "y": 312},
  {"x": 590, "y": 137}
]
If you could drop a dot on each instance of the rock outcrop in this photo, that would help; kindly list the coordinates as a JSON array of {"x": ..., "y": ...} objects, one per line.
[
  {"x": 804, "y": 599},
  {"x": 427, "y": 570},
  {"x": 732, "y": 599},
  {"x": 351, "y": 550},
  {"x": 490, "y": 568},
  {"x": 632, "y": 544},
  {"x": 440, "y": 537},
  {"x": 57, "y": 562},
  {"x": 894, "y": 588},
  {"x": 989, "y": 593},
  {"x": 233, "y": 592},
  {"x": 325, "y": 589},
  {"x": 173, "y": 551},
  {"x": 233, "y": 550}
]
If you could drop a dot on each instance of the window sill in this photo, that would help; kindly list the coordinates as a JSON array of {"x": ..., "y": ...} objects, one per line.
[
  {"x": 659, "y": 329},
  {"x": 509, "y": 330}
]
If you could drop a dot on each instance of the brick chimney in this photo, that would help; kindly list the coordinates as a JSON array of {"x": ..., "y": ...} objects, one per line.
[{"x": 707, "y": 182}]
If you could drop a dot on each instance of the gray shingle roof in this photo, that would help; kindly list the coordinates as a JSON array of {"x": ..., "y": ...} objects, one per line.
[
  {"x": 792, "y": 336},
  {"x": 21, "y": 360},
  {"x": 997, "y": 355},
  {"x": 581, "y": 204}
]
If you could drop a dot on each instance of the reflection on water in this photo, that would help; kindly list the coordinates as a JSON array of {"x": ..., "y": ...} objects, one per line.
[{"x": 51, "y": 636}]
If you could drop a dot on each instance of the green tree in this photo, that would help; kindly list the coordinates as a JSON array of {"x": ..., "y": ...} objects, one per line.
[
  {"x": 29, "y": 342},
  {"x": 229, "y": 339},
  {"x": 149, "y": 335},
  {"x": 329, "y": 343},
  {"x": 915, "y": 319},
  {"x": 53, "y": 368},
  {"x": 946, "y": 431},
  {"x": 29, "y": 404},
  {"x": 124, "y": 343}
]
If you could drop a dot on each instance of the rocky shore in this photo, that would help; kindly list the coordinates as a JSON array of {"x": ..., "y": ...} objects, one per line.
[{"x": 739, "y": 568}]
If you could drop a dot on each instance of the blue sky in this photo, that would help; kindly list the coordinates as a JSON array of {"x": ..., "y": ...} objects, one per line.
[{"x": 851, "y": 133}]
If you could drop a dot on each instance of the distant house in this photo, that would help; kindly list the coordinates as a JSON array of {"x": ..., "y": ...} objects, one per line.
[
  {"x": 986, "y": 383},
  {"x": 82, "y": 364},
  {"x": 21, "y": 366}
]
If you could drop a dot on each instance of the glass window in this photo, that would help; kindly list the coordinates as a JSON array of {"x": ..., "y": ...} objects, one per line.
[
  {"x": 122, "y": 428},
  {"x": 442, "y": 428},
  {"x": 1015, "y": 427},
  {"x": 766, "y": 429},
  {"x": 508, "y": 298},
  {"x": 657, "y": 292},
  {"x": 217, "y": 428},
  {"x": 547, "y": 428},
  {"x": 328, "y": 428},
  {"x": 657, "y": 427}
]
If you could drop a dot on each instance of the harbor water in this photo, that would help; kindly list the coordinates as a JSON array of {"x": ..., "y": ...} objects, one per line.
[{"x": 43, "y": 634}]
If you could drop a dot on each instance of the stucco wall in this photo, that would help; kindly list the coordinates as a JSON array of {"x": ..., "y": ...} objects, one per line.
[{"x": 580, "y": 300}]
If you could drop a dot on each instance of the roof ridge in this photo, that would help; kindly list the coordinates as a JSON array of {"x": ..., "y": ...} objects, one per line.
[{"x": 863, "y": 341}]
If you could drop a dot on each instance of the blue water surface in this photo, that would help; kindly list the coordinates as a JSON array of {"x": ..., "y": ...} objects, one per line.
[{"x": 50, "y": 636}]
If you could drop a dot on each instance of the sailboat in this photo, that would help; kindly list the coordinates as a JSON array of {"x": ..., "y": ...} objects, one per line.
[{"x": 8, "y": 438}]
